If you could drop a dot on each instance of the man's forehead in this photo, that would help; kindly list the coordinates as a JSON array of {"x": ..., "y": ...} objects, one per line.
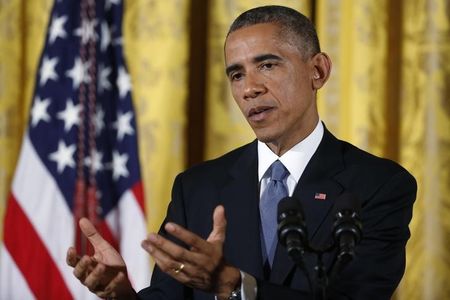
[
  {"x": 260, "y": 29},
  {"x": 254, "y": 41},
  {"x": 251, "y": 37}
]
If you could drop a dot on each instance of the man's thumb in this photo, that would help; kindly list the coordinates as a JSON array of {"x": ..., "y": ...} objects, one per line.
[
  {"x": 219, "y": 225},
  {"x": 92, "y": 234}
]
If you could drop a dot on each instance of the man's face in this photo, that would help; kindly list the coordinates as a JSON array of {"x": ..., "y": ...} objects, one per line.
[{"x": 272, "y": 85}]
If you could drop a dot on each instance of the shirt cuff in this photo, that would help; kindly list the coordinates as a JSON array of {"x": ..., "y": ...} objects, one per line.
[{"x": 248, "y": 286}]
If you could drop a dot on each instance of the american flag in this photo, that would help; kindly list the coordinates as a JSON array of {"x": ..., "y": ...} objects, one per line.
[
  {"x": 82, "y": 127},
  {"x": 320, "y": 196}
]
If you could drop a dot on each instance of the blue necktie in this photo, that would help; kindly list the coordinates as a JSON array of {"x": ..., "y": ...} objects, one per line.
[{"x": 275, "y": 190}]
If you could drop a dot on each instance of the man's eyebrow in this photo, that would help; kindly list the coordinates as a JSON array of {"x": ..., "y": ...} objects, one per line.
[
  {"x": 264, "y": 57},
  {"x": 231, "y": 68}
]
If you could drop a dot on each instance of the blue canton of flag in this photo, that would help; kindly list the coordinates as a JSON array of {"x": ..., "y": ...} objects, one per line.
[{"x": 81, "y": 115}]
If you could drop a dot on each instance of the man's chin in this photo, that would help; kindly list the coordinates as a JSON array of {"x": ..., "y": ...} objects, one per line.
[{"x": 266, "y": 138}]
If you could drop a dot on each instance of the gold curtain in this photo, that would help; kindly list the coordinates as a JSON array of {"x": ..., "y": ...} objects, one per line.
[
  {"x": 354, "y": 34},
  {"x": 22, "y": 28},
  {"x": 156, "y": 48},
  {"x": 425, "y": 145},
  {"x": 226, "y": 128},
  {"x": 390, "y": 87}
]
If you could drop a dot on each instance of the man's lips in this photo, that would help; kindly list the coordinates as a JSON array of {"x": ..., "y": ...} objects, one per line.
[{"x": 259, "y": 113}]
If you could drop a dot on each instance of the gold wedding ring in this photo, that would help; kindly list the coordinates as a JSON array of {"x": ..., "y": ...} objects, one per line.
[{"x": 179, "y": 269}]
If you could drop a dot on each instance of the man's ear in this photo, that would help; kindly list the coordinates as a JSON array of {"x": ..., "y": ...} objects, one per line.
[{"x": 321, "y": 68}]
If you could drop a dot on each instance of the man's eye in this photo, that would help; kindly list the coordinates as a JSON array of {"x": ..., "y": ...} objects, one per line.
[
  {"x": 236, "y": 76},
  {"x": 267, "y": 66}
]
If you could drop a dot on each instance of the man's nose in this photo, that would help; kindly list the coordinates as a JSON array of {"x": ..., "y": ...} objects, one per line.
[{"x": 254, "y": 87}]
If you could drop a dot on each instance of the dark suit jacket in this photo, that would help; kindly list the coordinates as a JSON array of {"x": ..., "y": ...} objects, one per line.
[{"x": 385, "y": 189}]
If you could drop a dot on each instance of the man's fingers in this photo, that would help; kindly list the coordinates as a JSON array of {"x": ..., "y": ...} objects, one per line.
[
  {"x": 165, "y": 262},
  {"x": 71, "y": 257},
  {"x": 195, "y": 267},
  {"x": 186, "y": 236},
  {"x": 109, "y": 290},
  {"x": 93, "y": 280},
  {"x": 84, "y": 267},
  {"x": 173, "y": 250},
  {"x": 115, "y": 282},
  {"x": 219, "y": 225},
  {"x": 169, "y": 253}
]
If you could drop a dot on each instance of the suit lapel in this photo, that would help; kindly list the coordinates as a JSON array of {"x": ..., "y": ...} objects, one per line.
[
  {"x": 318, "y": 178},
  {"x": 240, "y": 196}
]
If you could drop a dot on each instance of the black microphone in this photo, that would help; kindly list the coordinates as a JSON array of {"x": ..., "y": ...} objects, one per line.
[
  {"x": 347, "y": 230},
  {"x": 292, "y": 231}
]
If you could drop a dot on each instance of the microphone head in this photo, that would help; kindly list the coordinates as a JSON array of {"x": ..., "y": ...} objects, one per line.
[
  {"x": 347, "y": 220},
  {"x": 347, "y": 202},
  {"x": 289, "y": 206},
  {"x": 291, "y": 220}
]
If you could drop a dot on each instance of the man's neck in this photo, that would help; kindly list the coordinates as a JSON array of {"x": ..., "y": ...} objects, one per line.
[{"x": 280, "y": 147}]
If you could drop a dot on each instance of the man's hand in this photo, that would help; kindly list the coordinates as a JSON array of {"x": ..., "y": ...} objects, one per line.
[
  {"x": 104, "y": 273},
  {"x": 202, "y": 266}
]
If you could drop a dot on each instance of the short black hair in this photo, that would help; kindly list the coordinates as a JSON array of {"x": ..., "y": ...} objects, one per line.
[{"x": 290, "y": 22}]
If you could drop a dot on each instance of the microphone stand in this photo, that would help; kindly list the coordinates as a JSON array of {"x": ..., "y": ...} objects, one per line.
[
  {"x": 347, "y": 231},
  {"x": 345, "y": 254},
  {"x": 319, "y": 292},
  {"x": 297, "y": 258},
  {"x": 322, "y": 279}
]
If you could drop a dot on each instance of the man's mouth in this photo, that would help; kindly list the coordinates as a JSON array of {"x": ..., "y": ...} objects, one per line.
[{"x": 259, "y": 113}]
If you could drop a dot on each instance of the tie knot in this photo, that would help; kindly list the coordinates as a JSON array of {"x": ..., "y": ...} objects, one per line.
[{"x": 278, "y": 171}]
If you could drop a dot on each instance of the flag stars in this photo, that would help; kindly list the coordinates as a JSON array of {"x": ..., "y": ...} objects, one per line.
[
  {"x": 103, "y": 81},
  {"x": 63, "y": 156},
  {"x": 98, "y": 120},
  {"x": 78, "y": 73},
  {"x": 70, "y": 116},
  {"x": 106, "y": 36},
  {"x": 94, "y": 161},
  {"x": 123, "y": 125},
  {"x": 47, "y": 70},
  {"x": 39, "y": 111},
  {"x": 56, "y": 29},
  {"x": 119, "y": 165},
  {"x": 108, "y": 3},
  {"x": 87, "y": 31},
  {"x": 123, "y": 82}
]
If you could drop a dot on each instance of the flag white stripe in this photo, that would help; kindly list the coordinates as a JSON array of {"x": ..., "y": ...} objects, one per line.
[
  {"x": 12, "y": 284},
  {"x": 134, "y": 230},
  {"x": 44, "y": 205}
]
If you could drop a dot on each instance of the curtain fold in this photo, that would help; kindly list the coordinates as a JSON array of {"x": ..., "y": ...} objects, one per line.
[
  {"x": 389, "y": 94},
  {"x": 352, "y": 103},
  {"x": 425, "y": 145},
  {"x": 156, "y": 48}
]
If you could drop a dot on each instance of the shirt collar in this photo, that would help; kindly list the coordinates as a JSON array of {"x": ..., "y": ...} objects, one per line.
[{"x": 295, "y": 159}]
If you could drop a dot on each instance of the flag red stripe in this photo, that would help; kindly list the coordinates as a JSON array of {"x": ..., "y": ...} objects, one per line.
[
  {"x": 107, "y": 234},
  {"x": 31, "y": 255},
  {"x": 138, "y": 192}
]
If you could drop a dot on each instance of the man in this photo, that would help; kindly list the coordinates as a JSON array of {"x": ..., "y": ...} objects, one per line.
[{"x": 275, "y": 67}]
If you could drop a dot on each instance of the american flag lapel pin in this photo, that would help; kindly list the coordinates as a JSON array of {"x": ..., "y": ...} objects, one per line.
[{"x": 320, "y": 196}]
